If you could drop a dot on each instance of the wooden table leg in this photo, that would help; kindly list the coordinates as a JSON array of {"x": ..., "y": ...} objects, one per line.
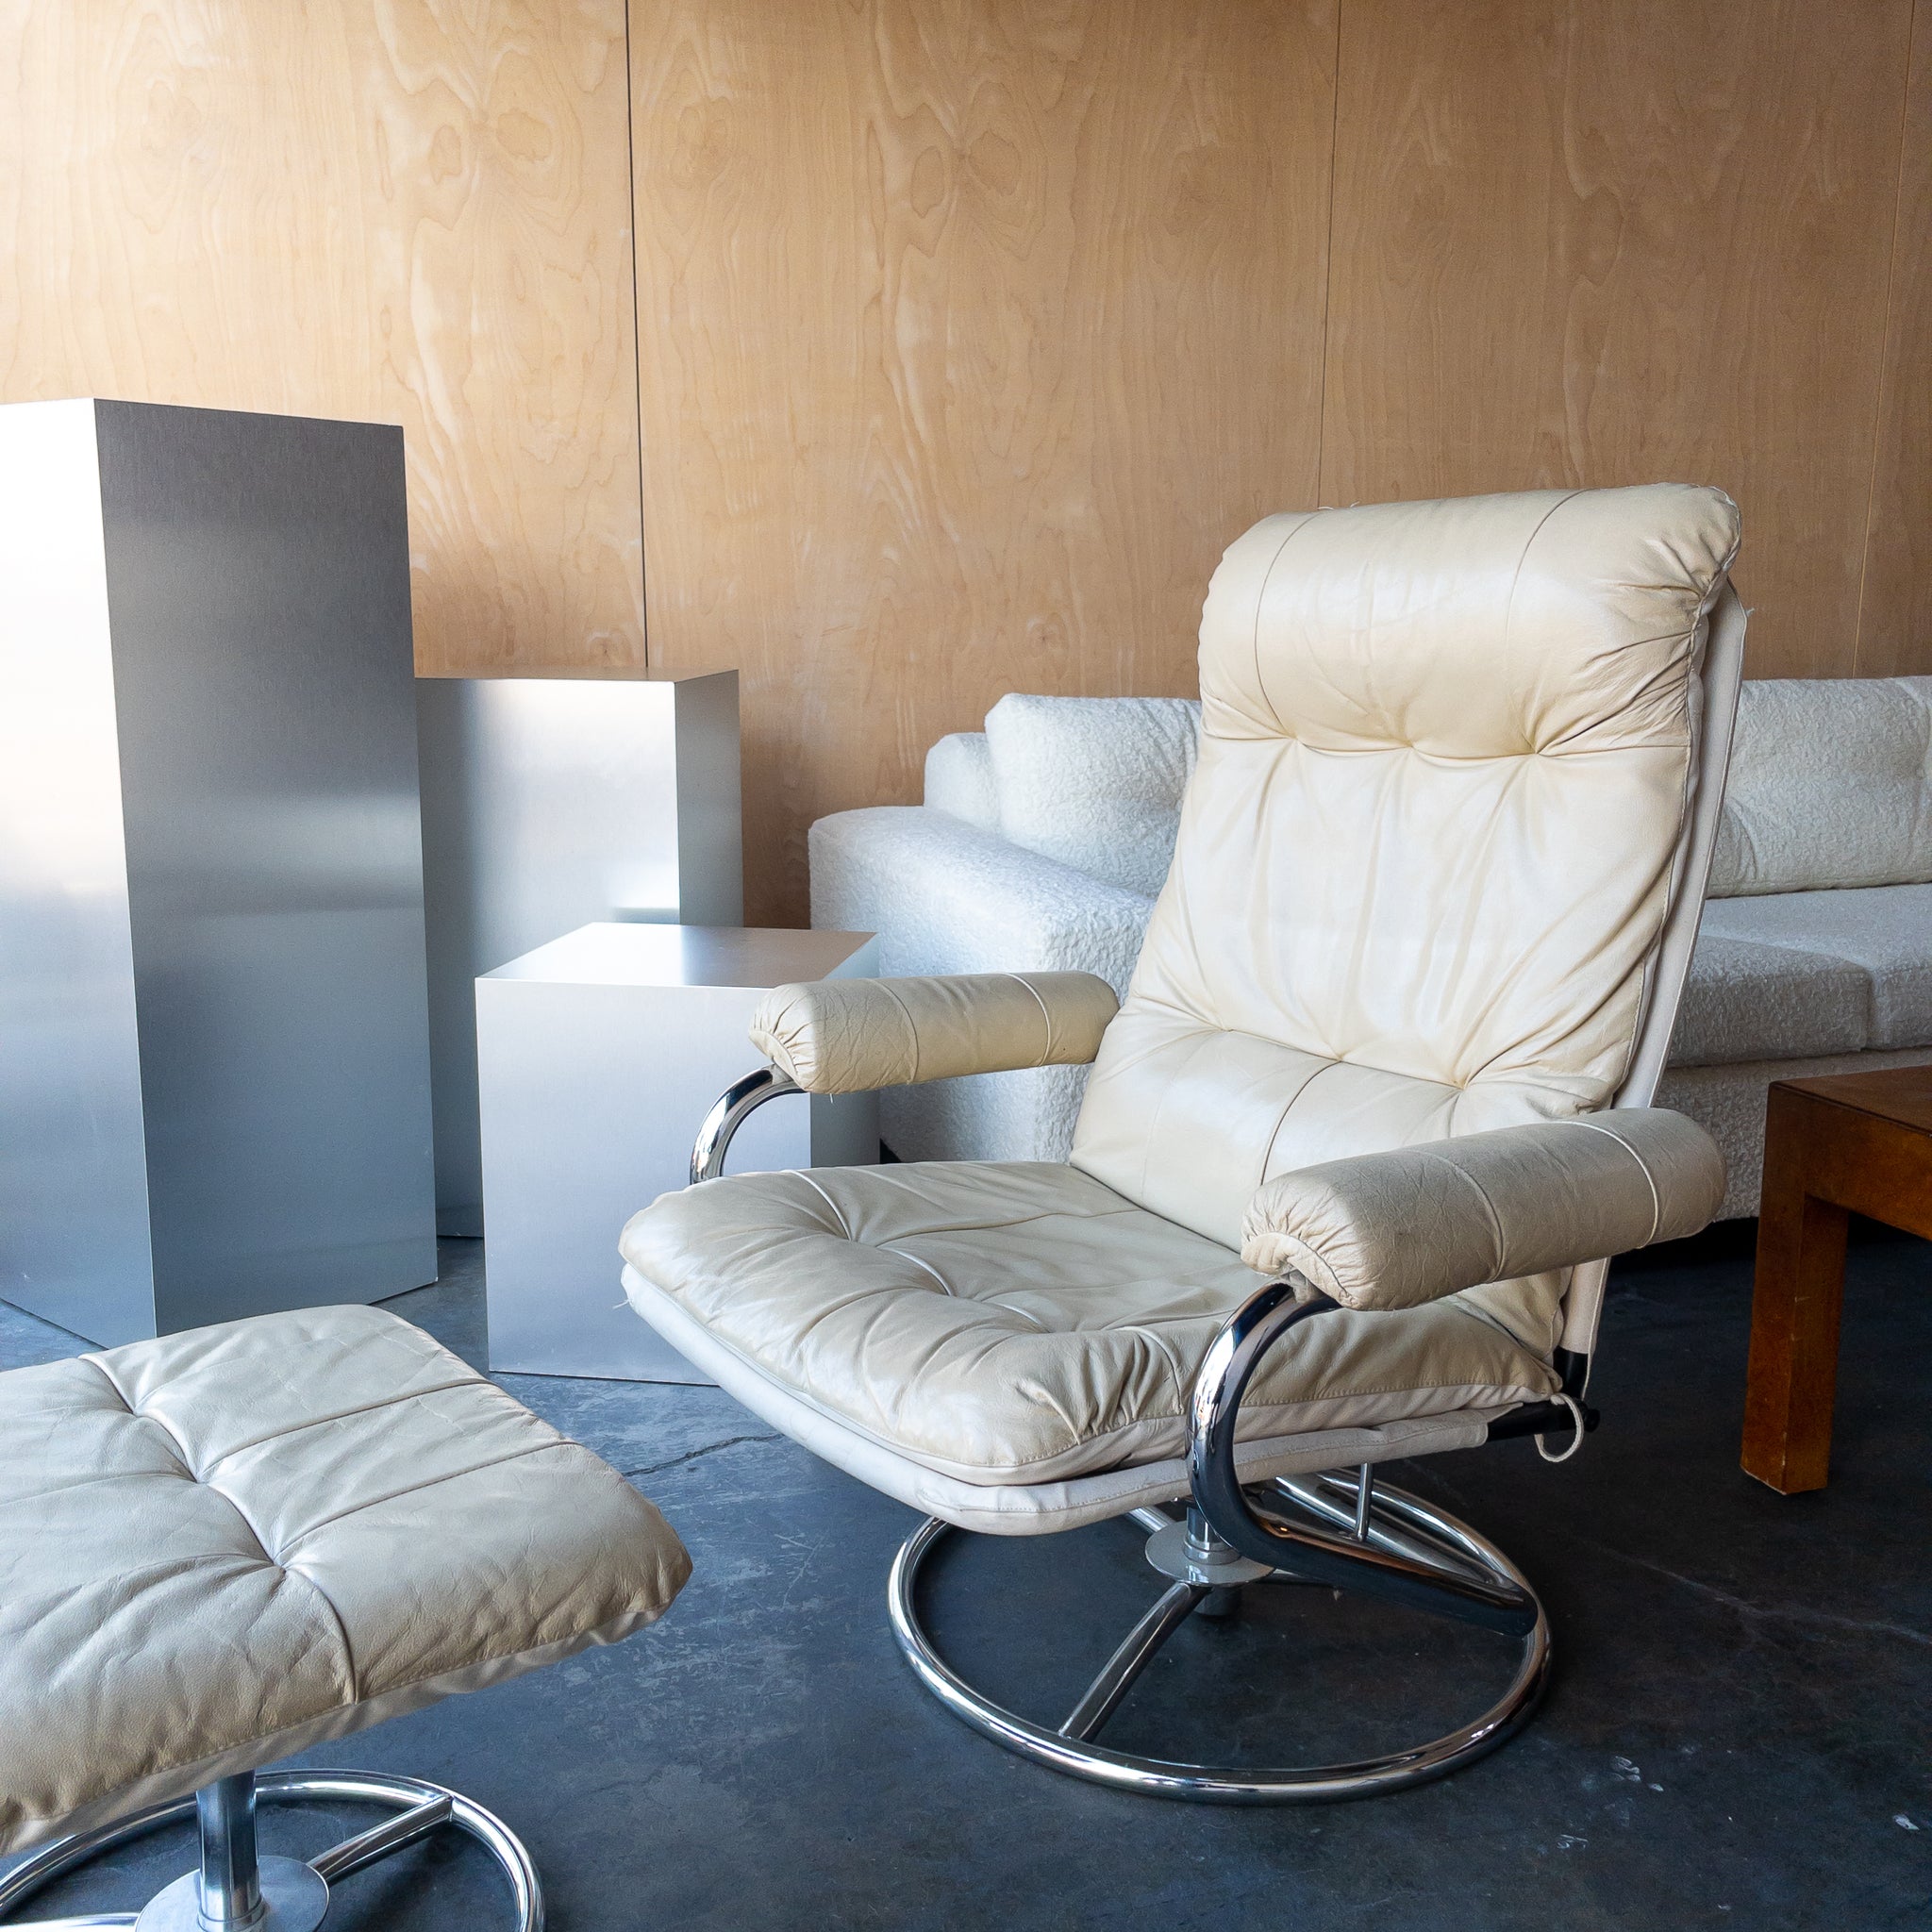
[{"x": 1795, "y": 1317}]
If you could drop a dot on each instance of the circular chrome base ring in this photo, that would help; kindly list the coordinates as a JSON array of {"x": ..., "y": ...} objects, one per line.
[
  {"x": 64, "y": 1855},
  {"x": 1236, "y": 1783}
]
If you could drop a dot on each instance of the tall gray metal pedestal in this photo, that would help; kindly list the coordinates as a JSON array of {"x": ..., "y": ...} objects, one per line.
[{"x": 214, "y": 1067}]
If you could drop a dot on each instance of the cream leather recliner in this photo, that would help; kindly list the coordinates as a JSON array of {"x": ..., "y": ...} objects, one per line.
[{"x": 1354, "y": 1150}]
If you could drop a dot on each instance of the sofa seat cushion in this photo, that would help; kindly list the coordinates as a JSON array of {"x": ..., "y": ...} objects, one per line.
[
  {"x": 1021, "y": 1322},
  {"x": 227, "y": 1545},
  {"x": 1744, "y": 1000},
  {"x": 1884, "y": 931}
]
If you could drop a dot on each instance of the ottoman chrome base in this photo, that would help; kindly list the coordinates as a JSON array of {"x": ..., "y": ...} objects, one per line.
[
  {"x": 236, "y": 1892},
  {"x": 1207, "y": 1580}
]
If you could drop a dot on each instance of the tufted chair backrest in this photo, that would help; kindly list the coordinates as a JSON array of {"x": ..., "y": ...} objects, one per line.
[{"x": 1440, "y": 827}]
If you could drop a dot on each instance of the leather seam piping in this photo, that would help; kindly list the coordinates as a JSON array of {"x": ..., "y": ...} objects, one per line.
[
  {"x": 1260, "y": 598},
  {"x": 911, "y": 1024},
  {"x": 1482, "y": 1195},
  {"x": 1656, "y": 1205},
  {"x": 1046, "y": 1054}
]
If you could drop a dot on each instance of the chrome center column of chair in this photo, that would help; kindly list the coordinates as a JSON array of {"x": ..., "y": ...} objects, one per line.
[{"x": 1353, "y": 1149}]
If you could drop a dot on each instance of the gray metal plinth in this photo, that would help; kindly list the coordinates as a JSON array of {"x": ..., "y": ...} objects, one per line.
[
  {"x": 214, "y": 1062},
  {"x": 548, "y": 801},
  {"x": 597, "y": 1056},
  {"x": 1071, "y": 1750},
  {"x": 424, "y": 1807}
]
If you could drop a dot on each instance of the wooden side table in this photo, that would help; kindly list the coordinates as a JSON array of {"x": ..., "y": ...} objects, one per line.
[{"x": 1849, "y": 1142}]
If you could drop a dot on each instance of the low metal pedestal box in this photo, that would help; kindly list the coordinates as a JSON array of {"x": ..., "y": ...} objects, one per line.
[{"x": 600, "y": 1056}]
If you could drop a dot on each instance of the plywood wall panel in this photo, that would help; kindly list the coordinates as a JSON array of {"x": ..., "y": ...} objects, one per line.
[
  {"x": 1578, "y": 243},
  {"x": 1895, "y": 610},
  {"x": 406, "y": 210},
  {"x": 969, "y": 334}
]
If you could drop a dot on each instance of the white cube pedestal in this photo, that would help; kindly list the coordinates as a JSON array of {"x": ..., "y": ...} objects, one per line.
[{"x": 598, "y": 1058}]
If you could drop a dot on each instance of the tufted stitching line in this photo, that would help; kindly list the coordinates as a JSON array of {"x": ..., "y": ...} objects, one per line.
[
  {"x": 1020, "y": 1315},
  {"x": 468, "y": 1381},
  {"x": 1528, "y": 544},
  {"x": 827, "y": 1200},
  {"x": 1293, "y": 1101},
  {"x": 351, "y": 1676},
  {"x": 1045, "y": 1015},
  {"x": 417, "y": 1488},
  {"x": 1174, "y": 1367},
  {"x": 268, "y": 1557},
  {"x": 1656, "y": 1205},
  {"x": 887, "y": 1248},
  {"x": 1260, "y": 598}
]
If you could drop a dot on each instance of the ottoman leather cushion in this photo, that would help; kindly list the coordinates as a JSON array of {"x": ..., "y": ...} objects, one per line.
[{"x": 223, "y": 1546}]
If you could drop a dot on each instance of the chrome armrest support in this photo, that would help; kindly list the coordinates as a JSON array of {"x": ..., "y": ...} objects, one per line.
[
  {"x": 738, "y": 1100},
  {"x": 1370, "y": 1564}
]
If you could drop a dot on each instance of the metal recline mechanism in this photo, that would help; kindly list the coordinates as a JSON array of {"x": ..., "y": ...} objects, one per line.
[{"x": 1389, "y": 1566}]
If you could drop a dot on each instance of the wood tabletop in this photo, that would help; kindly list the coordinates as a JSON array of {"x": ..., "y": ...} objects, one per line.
[{"x": 1900, "y": 1095}]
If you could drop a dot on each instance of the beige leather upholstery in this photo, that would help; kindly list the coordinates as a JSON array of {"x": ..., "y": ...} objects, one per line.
[
  {"x": 1026, "y": 1507},
  {"x": 853, "y": 1036},
  {"x": 1438, "y": 872},
  {"x": 227, "y": 1545},
  {"x": 1020, "y": 1321},
  {"x": 1428, "y": 849},
  {"x": 1394, "y": 1230}
]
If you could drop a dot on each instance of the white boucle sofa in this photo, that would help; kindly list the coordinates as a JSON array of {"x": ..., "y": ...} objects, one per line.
[{"x": 1042, "y": 841}]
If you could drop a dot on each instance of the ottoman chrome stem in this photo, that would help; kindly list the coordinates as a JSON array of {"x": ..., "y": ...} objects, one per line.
[
  {"x": 230, "y": 1881},
  {"x": 288, "y": 1894}
]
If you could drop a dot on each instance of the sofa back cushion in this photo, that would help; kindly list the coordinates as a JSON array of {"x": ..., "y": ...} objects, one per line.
[
  {"x": 1095, "y": 783},
  {"x": 958, "y": 779},
  {"x": 1831, "y": 786}
]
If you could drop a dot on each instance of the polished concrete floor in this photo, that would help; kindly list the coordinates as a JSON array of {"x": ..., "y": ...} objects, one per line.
[{"x": 1737, "y": 1736}]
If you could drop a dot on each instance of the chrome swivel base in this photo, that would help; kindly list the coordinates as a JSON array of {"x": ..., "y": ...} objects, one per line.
[
  {"x": 236, "y": 1892},
  {"x": 1208, "y": 1574}
]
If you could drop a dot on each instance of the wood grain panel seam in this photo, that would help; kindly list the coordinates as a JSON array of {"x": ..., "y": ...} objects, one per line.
[
  {"x": 637, "y": 391},
  {"x": 1898, "y": 199},
  {"x": 1328, "y": 255}
]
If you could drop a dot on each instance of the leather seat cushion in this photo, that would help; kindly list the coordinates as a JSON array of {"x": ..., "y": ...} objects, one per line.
[
  {"x": 1021, "y": 1322},
  {"x": 228, "y": 1544}
]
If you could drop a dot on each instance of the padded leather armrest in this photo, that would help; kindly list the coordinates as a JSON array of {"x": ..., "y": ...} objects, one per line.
[
  {"x": 851, "y": 1036},
  {"x": 1394, "y": 1230}
]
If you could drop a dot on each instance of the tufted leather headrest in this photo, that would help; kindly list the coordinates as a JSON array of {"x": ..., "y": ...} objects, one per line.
[{"x": 1485, "y": 626}]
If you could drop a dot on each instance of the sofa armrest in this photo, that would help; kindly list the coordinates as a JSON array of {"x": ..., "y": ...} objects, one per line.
[
  {"x": 853, "y": 1036},
  {"x": 1397, "y": 1229},
  {"x": 944, "y": 897}
]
